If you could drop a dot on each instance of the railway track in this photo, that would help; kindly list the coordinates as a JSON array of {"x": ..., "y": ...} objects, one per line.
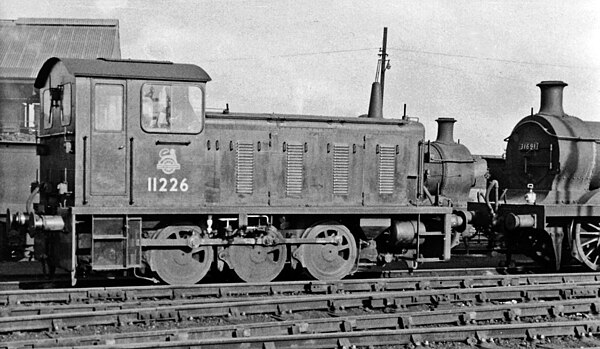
[
  {"x": 344, "y": 337},
  {"x": 11, "y": 300},
  {"x": 448, "y": 299},
  {"x": 352, "y": 339},
  {"x": 63, "y": 318},
  {"x": 35, "y": 282},
  {"x": 473, "y": 299},
  {"x": 456, "y": 323}
]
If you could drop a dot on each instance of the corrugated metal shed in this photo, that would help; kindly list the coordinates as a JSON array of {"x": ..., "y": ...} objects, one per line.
[{"x": 26, "y": 43}]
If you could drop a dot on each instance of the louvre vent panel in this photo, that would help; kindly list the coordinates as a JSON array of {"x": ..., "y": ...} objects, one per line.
[
  {"x": 387, "y": 169},
  {"x": 341, "y": 165},
  {"x": 294, "y": 174},
  {"x": 244, "y": 174}
]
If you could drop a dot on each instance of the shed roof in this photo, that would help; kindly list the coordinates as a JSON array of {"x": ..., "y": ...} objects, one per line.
[
  {"x": 26, "y": 43},
  {"x": 131, "y": 69}
]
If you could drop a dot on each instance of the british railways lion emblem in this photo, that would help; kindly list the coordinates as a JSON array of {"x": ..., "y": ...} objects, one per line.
[{"x": 168, "y": 161}]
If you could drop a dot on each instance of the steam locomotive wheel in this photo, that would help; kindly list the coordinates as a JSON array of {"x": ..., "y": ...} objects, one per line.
[
  {"x": 587, "y": 244},
  {"x": 178, "y": 266},
  {"x": 330, "y": 261},
  {"x": 259, "y": 263}
]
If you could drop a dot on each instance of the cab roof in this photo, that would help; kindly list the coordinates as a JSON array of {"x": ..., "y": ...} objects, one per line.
[{"x": 124, "y": 69}]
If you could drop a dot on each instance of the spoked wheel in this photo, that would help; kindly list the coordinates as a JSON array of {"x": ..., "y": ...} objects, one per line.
[
  {"x": 329, "y": 261},
  {"x": 177, "y": 266},
  {"x": 259, "y": 263},
  {"x": 587, "y": 244}
]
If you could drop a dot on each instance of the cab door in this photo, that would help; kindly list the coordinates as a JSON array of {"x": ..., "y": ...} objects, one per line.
[{"x": 108, "y": 155}]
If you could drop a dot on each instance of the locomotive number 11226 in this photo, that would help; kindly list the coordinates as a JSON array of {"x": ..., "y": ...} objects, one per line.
[{"x": 162, "y": 184}]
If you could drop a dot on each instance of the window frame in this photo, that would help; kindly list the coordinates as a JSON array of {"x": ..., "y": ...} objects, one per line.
[
  {"x": 47, "y": 119},
  {"x": 172, "y": 84},
  {"x": 68, "y": 103},
  {"x": 123, "y": 85}
]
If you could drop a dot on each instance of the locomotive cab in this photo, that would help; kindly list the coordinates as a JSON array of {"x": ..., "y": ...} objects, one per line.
[
  {"x": 100, "y": 110},
  {"x": 98, "y": 116}
]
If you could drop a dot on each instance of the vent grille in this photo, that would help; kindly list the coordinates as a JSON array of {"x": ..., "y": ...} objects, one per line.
[
  {"x": 294, "y": 176},
  {"x": 244, "y": 174},
  {"x": 341, "y": 164},
  {"x": 387, "y": 169}
]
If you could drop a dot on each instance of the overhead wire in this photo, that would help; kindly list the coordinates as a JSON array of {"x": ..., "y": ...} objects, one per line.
[
  {"x": 444, "y": 54},
  {"x": 493, "y": 59},
  {"x": 409, "y": 50},
  {"x": 299, "y": 54}
]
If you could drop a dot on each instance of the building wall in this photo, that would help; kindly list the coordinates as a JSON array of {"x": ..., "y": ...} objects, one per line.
[
  {"x": 19, "y": 164},
  {"x": 13, "y": 96}
]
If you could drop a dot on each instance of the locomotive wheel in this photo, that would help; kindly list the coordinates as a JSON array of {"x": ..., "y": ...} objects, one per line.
[
  {"x": 537, "y": 244},
  {"x": 178, "y": 266},
  {"x": 587, "y": 244},
  {"x": 330, "y": 261},
  {"x": 259, "y": 263}
]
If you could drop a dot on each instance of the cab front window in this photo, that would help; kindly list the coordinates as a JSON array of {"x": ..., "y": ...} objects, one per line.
[
  {"x": 172, "y": 108},
  {"x": 56, "y": 104}
]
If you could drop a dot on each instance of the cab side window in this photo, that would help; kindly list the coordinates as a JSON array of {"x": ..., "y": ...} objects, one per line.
[
  {"x": 108, "y": 107},
  {"x": 176, "y": 108},
  {"x": 65, "y": 115},
  {"x": 46, "y": 110}
]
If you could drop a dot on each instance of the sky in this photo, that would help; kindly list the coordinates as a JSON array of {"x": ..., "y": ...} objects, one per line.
[{"x": 476, "y": 61}]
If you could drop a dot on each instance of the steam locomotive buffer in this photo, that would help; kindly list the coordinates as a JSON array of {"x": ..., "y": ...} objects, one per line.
[{"x": 135, "y": 177}]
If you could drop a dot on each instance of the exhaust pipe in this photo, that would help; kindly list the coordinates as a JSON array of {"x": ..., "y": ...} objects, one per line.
[
  {"x": 445, "y": 130},
  {"x": 551, "y": 98},
  {"x": 376, "y": 102}
]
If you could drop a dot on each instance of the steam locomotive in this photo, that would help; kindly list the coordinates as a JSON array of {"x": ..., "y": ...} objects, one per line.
[
  {"x": 549, "y": 202},
  {"x": 136, "y": 177}
]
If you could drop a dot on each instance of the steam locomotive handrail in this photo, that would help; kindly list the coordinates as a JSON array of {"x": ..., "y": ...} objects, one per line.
[
  {"x": 493, "y": 184},
  {"x": 29, "y": 202},
  {"x": 420, "y": 167},
  {"x": 569, "y": 138}
]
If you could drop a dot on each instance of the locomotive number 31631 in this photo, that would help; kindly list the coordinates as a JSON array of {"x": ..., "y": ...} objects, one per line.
[{"x": 167, "y": 184}]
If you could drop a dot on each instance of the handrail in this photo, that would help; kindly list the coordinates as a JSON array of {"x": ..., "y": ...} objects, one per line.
[
  {"x": 131, "y": 162},
  {"x": 562, "y": 138},
  {"x": 84, "y": 196},
  {"x": 186, "y": 143},
  {"x": 420, "y": 168}
]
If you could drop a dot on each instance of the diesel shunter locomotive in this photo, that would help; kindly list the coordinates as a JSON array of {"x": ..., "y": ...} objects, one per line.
[{"x": 136, "y": 177}]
